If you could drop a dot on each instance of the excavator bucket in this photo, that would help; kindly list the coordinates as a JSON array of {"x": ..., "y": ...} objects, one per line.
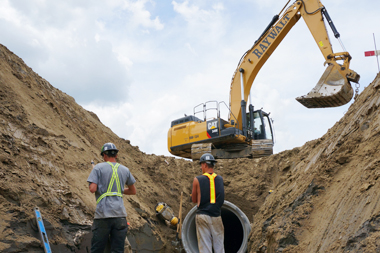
[{"x": 332, "y": 90}]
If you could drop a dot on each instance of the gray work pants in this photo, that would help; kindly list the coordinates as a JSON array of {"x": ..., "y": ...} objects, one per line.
[{"x": 210, "y": 233}]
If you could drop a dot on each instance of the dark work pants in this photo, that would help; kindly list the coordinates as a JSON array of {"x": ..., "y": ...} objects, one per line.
[{"x": 114, "y": 229}]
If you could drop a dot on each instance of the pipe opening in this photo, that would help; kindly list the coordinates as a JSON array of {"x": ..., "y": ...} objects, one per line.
[
  {"x": 233, "y": 231},
  {"x": 236, "y": 229}
]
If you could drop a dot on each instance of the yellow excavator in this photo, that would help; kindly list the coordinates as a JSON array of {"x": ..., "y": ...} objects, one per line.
[{"x": 250, "y": 133}]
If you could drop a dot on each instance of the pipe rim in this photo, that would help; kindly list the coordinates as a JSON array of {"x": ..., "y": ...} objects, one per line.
[{"x": 228, "y": 206}]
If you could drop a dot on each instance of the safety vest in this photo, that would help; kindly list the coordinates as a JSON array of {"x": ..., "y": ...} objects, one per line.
[
  {"x": 212, "y": 186},
  {"x": 115, "y": 177}
]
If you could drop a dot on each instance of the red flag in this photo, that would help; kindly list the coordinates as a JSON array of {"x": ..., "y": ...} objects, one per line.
[{"x": 369, "y": 53}]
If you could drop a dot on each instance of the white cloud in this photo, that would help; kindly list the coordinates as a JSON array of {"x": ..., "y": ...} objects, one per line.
[
  {"x": 141, "y": 16},
  {"x": 206, "y": 24}
]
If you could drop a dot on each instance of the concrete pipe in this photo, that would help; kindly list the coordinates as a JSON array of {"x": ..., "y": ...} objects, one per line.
[{"x": 236, "y": 230}]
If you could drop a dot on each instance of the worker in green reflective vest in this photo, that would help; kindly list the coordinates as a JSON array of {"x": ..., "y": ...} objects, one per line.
[{"x": 108, "y": 180}]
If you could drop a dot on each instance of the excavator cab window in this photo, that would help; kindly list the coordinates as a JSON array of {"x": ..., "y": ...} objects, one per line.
[
  {"x": 268, "y": 127},
  {"x": 262, "y": 127}
]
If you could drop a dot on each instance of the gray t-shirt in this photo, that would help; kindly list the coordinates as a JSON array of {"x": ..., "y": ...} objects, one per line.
[{"x": 109, "y": 206}]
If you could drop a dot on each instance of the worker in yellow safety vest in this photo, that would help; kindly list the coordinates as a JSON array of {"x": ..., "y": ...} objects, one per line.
[
  {"x": 108, "y": 180},
  {"x": 208, "y": 193}
]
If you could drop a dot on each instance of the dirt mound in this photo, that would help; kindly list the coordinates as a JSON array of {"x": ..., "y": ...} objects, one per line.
[
  {"x": 47, "y": 143},
  {"x": 324, "y": 199}
]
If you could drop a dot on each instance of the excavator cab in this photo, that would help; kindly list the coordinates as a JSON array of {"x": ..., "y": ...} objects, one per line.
[
  {"x": 261, "y": 135},
  {"x": 262, "y": 127},
  {"x": 206, "y": 132}
]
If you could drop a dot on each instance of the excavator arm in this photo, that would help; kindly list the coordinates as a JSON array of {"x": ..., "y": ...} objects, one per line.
[{"x": 333, "y": 89}]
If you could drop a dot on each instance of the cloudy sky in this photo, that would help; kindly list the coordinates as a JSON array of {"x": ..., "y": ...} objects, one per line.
[{"x": 139, "y": 64}]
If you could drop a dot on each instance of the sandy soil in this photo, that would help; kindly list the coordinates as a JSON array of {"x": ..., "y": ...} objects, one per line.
[{"x": 325, "y": 193}]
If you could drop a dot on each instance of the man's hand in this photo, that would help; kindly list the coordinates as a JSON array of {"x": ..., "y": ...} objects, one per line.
[
  {"x": 131, "y": 190},
  {"x": 93, "y": 187}
]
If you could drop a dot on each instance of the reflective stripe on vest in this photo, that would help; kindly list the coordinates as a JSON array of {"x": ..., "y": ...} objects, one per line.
[
  {"x": 212, "y": 186},
  {"x": 115, "y": 177}
]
